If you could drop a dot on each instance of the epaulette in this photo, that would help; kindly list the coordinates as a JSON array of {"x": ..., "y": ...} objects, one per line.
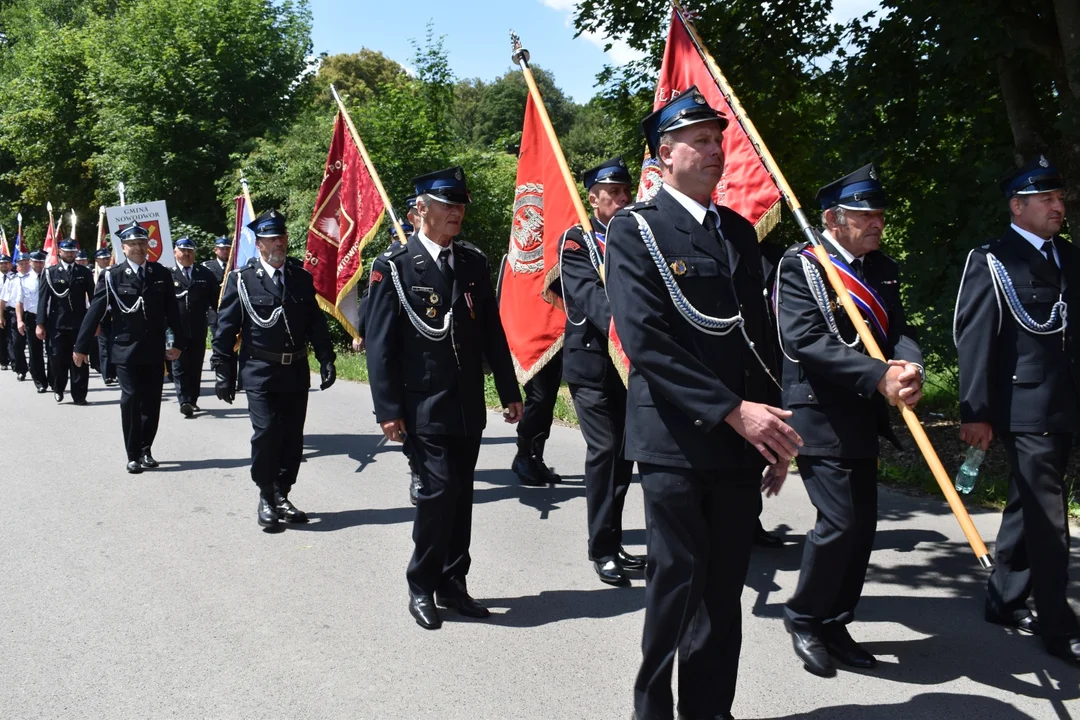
[
  {"x": 643, "y": 205},
  {"x": 252, "y": 262},
  {"x": 466, "y": 245},
  {"x": 797, "y": 248},
  {"x": 392, "y": 252},
  {"x": 295, "y": 262}
]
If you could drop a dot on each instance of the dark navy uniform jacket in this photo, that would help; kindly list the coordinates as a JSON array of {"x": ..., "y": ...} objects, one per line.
[
  {"x": 64, "y": 313},
  {"x": 195, "y": 298},
  {"x": 684, "y": 382},
  {"x": 586, "y": 360},
  {"x": 1009, "y": 377},
  {"x": 137, "y": 337},
  {"x": 302, "y": 323},
  {"x": 832, "y": 389},
  {"x": 437, "y": 386}
]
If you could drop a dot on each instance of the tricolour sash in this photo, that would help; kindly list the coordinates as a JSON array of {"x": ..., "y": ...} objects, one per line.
[{"x": 865, "y": 297}]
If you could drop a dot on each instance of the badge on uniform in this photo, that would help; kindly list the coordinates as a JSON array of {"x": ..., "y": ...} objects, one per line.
[
  {"x": 376, "y": 276},
  {"x": 431, "y": 312},
  {"x": 176, "y": 283},
  {"x": 128, "y": 271},
  {"x": 259, "y": 272},
  {"x": 434, "y": 298},
  {"x": 468, "y": 301},
  {"x": 678, "y": 267},
  {"x": 571, "y": 245}
]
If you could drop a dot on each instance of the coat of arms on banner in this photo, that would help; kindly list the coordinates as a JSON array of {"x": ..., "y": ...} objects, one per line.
[{"x": 527, "y": 231}]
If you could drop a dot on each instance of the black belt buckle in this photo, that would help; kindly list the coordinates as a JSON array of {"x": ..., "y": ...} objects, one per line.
[{"x": 286, "y": 358}]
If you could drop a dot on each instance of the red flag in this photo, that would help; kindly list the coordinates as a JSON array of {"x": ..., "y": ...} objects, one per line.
[
  {"x": 3, "y": 243},
  {"x": 52, "y": 236},
  {"x": 532, "y": 315},
  {"x": 746, "y": 187},
  {"x": 348, "y": 213}
]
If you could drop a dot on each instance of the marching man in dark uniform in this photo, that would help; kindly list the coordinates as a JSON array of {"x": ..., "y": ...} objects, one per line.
[
  {"x": 62, "y": 303},
  {"x": 685, "y": 283},
  {"x": 270, "y": 303},
  {"x": 1019, "y": 382},
  {"x": 135, "y": 304},
  {"x": 432, "y": 321},
  {"x": 102, "y": 260},
  {"x": 839, "y": 398},
  {"x": 598, "y": 391},
  {"x": 196, "y": 291}
]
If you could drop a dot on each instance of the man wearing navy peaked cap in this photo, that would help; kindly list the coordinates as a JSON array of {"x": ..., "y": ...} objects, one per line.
[
  {"x": 270, "y": 304},
  {"x": 839, "y": 397},
  {"x": 432, "y": 322},
  {"x": 134, "y": 303},
  {"x": 62, "y": 301},
  {"x": 684, "y": 279},
  {"x": 1020, "y": 383},
  {"x": 196, "y": 291}
]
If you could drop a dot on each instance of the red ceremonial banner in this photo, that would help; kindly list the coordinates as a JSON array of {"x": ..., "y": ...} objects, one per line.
[
  {"x": 52, "y": 239},
  {"x": 532, "y": 315},
  {"x": 348, "y": 213},
  {"x": 746, "y": 187}
]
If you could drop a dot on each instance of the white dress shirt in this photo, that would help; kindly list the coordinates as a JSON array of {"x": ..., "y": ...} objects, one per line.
[
  {"x": 433, "y": 248},
  {"x": 1037, "y": 242},
  {"x": 29, "y": 291},
  {"x": 693, "y": 206},
  {"x": 847, "y": 256},
  {"x": 271, "y": 271}
]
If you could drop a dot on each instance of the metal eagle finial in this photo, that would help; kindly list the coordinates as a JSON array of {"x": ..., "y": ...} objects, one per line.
[{"x": 520, "y": 54}]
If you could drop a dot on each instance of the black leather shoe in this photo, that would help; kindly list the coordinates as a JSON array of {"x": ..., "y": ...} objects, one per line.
[
  {"x": 268, "y": 516},
  {"x": 841, "y": 646},
  {"x": 81, "y": 401},
  {"x": 147, "y": 460},
  {"x": 187, "y": 409},
  {"x": 287, "y": 511},
  {"x": 610, "y": 572},
  {"x": 42, "y": 389},
  {"x": 134, "y": 467},
  {"x": 1067, "y": 649},
  {"x": 764, "y": 538},
  {"x": 21, "y": 377},
  {"x": 455, "y": 596},
  {"x": 812, "y": 652},
  {"x": 724, "y": 716},
  {"x": 414, "y": 487},
  {"x": 58, "y": 396},
  {"x": 1023, "y": 621},
  {"x": 630, "y": 563},
  {"x": 423, "y": 610},
  {"x": 529, "y": 472},
  {"x": 548, "y": 474}
]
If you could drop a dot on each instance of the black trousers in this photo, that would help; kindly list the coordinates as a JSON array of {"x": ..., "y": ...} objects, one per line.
[
  {"x": 16, "y": 343},
  {"x": 1032, "y": 549},
  {"x": 837, "y": 549},
  {"x": 36, "y": 349},
  {"x": 106, "y": 366},
  {"x": 140, "y": 405},
  {"x": 5, "y": 339},
  {"x": 277, "y": 443},
  {"x": 61, "y": 346},
  {"x": 442, "y": 528},
  {"x": 540, "y": 395},
  {"x": 187, "y": 373},
  {"x": 699, "y": 529},
  {"x": 602, "y": 418}
]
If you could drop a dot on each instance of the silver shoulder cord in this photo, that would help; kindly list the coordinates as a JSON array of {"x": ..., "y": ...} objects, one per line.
[
  {"x": 48, "y": 281},
  {"x": 276, "y": 314},
  {"x": 697, "y": 319},
  {"x": 1003, "y": 284},
  {"x": 431, "y": 333},
  {"x": 140, "y": 303},
  {"x": 821, "y": 296},
  {"x": 594, "y": 259},
  {"x": 960, "y": 291}
]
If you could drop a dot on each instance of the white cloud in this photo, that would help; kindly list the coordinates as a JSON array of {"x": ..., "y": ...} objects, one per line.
[{"x": 620, "y": 52}]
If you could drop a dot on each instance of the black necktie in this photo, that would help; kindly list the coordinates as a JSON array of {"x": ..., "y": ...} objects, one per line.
[
  {"x": 139, "y": 273},
  {"x": 1048, "y": 251},
  {"x": 711, "y": 225},
  {"x": 187, "y": 274},
  {"x": 856, "y": 265},
  {"x": 277, "y": 279},
  {"x": 444, "y": 266}
]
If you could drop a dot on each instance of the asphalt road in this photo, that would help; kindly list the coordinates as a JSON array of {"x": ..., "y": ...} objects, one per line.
[{"x": 157, "y": 595}]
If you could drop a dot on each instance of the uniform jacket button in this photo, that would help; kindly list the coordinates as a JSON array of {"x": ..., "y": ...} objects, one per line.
[
  {"x": 698, "y": 423},
  {"x": 1014, "y": 378}
]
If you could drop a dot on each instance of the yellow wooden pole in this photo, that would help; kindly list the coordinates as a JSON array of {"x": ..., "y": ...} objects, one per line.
[{"x": 857, "y": 320}]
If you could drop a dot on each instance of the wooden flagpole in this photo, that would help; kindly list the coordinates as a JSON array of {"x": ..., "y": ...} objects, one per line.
[
  {"x": 521, "y": 58},
  {"x": 370, "y": 166},
  {"x": 857, "y": 320}
]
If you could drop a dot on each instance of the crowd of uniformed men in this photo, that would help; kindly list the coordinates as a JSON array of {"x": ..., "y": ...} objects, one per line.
[{"x": 740, "y": 360}]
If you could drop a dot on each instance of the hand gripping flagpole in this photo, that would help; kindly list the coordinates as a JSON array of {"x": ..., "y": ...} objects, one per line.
[
  {"x": 857, "y": 320},
  {"x": 370, "y": 166},
  {"x": 521, "y": 57}
]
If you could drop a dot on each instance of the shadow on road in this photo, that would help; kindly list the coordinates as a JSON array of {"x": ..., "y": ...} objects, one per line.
[
  {"x": 557, "y": 605},
  {"x": 931, "y": 706},
  {"x": 331, "y": 521},
  {"x": 542, "y": 499}
]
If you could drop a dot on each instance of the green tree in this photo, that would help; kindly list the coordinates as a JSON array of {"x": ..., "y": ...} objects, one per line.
[{"x": 358, "y": 74}]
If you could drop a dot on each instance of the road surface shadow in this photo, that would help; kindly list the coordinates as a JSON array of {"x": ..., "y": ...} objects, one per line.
[
  {"x": 331, "y": 521},
  {"x": 544, "y": 500},
  {"x": 552, "y": 606},
  {"x": 361, "y": 448},
  {"x": 930, "y": 706}
]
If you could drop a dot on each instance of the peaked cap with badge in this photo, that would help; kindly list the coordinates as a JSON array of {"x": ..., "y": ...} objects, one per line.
[
  {"x": 860, "y": 190},
  {"x": 447, "y": 186},
  {"x": 609, "y": 172},
  {"x": 1037, "y": 176},
  {"x": 270, "y": 224},
  {"x": 133, "y": 232},
  {"x": 689, "y": 108}
]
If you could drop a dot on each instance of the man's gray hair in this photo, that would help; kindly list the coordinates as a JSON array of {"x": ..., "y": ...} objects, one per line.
[{"x": 839, "y": 216}]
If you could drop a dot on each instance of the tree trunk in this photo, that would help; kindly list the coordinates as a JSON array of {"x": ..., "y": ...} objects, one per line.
[{"x": 1022, "y": 108}]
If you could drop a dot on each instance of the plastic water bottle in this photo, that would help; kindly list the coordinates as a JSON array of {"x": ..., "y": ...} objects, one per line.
[
  {"x": 170, "y": 339},
  {"x": 969, "y": 471}
]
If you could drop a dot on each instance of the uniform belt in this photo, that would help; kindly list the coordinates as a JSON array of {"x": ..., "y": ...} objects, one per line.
[{"x": 279, "y": 358}]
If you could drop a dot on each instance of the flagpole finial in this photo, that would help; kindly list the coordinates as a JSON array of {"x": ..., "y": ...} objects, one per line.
[
  {"x": 120, "y": 187},
  {"x": 48, "y": 206},
  {"x": 520, "y": 55},
  {"x": 18, "y": 217}
]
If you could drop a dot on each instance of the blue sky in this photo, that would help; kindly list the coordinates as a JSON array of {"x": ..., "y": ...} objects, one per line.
[{"x": 477, "y": 35}]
